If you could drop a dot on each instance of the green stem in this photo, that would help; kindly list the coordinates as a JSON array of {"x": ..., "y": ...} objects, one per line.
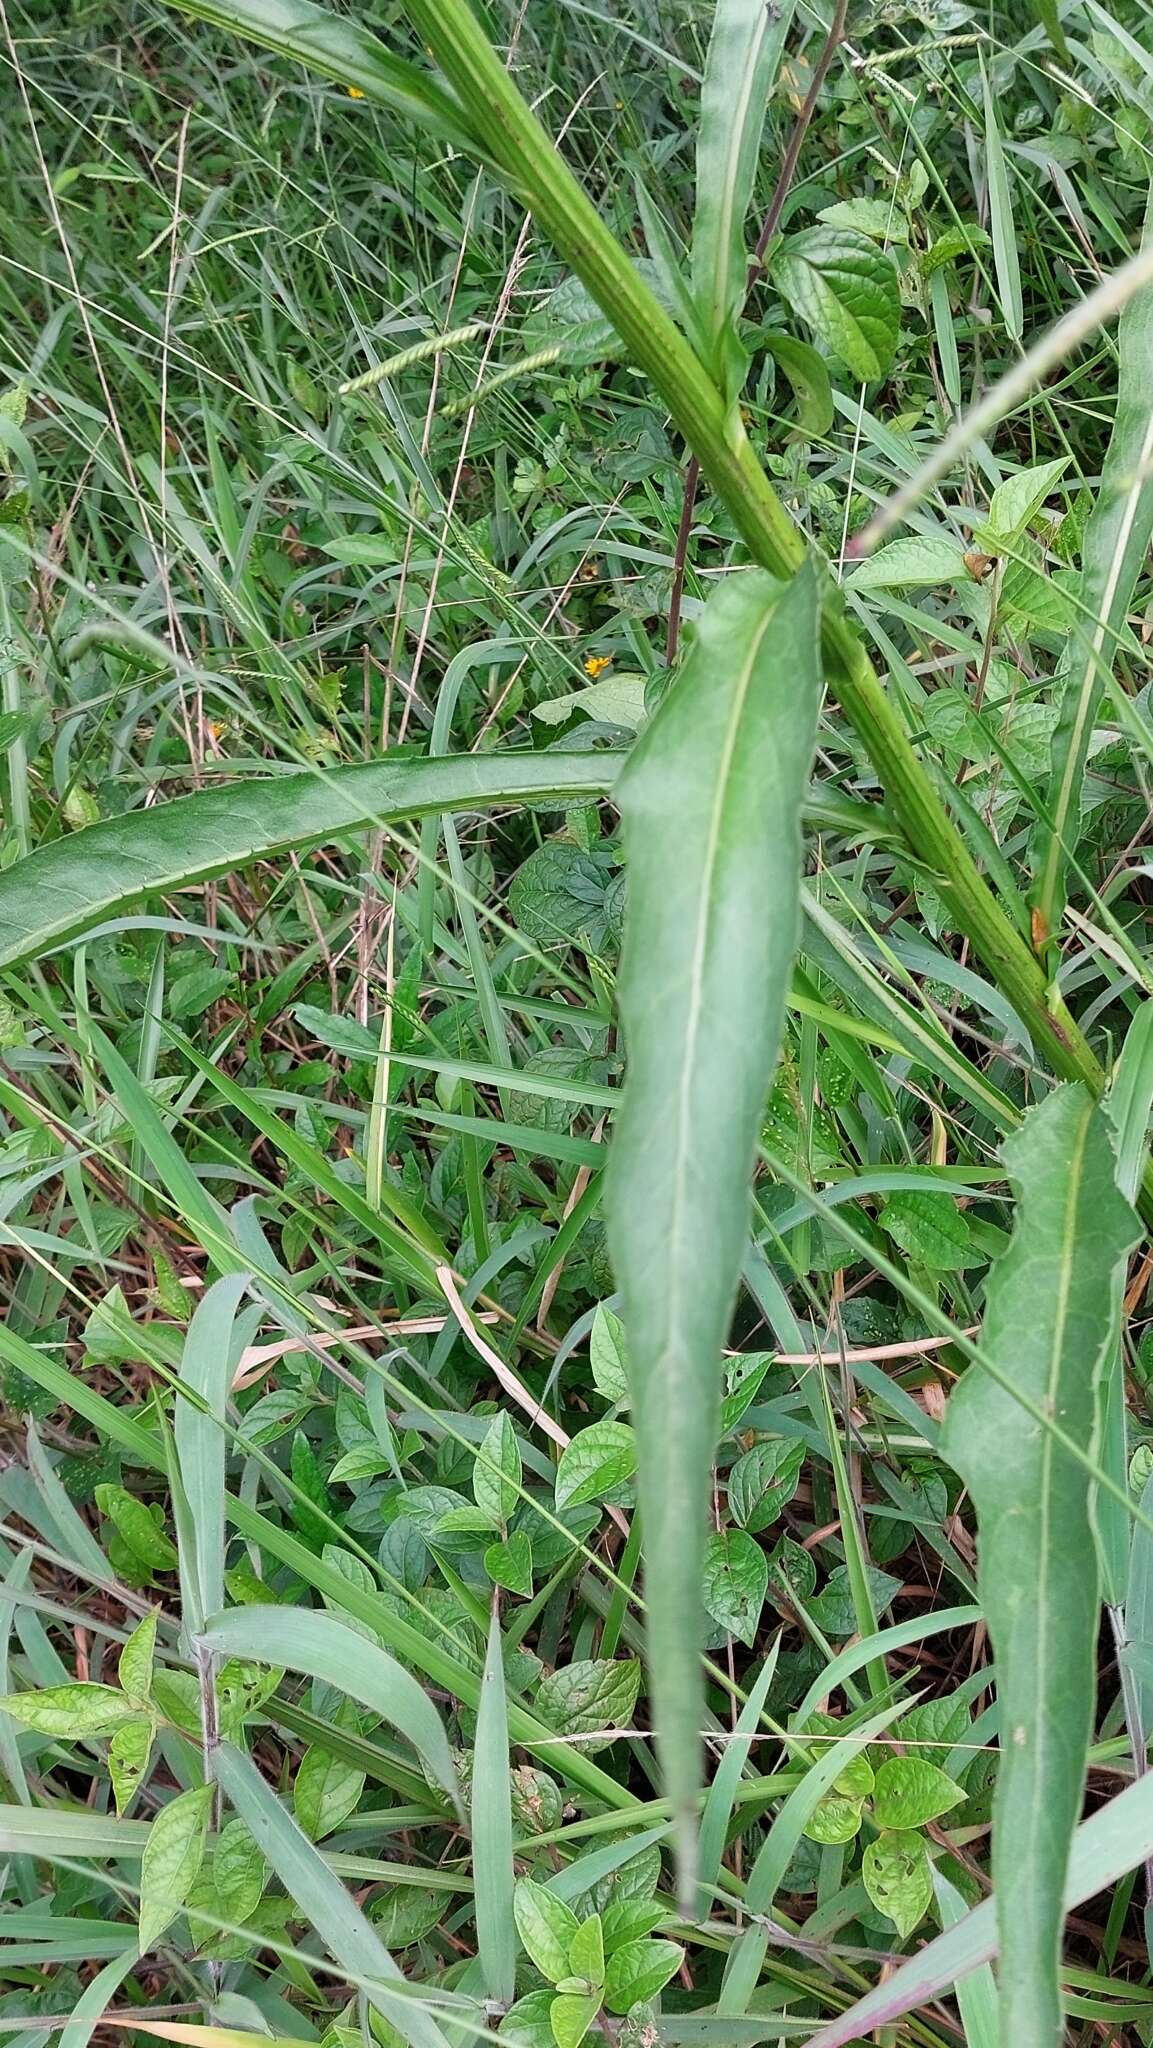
[{"x": 519, "y": 145}]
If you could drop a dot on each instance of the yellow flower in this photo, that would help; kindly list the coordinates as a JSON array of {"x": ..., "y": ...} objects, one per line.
[
  {"x": 354, "y": 93},
  {"x": 597, "y": 664}
]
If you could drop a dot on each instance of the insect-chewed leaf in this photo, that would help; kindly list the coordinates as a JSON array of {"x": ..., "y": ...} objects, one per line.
[
  {"x": 80, "y": 1711},
  {"x": 1049, "y": 1317},
  {"x": 711, "y": 800},
  {"x": 136, "y": 1658}
]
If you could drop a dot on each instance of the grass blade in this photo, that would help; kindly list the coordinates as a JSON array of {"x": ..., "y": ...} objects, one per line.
[
  {"x": 306, "y": 1877},
  {"x": 304, "y": 1640},
  {"x": 711, "y": 804},
  {"x": 977, "y": 1996},
  {"x": 201, "y": 1446},
  {"x": 722, "y": 1792},
  {"x": 492, "y": 1829},
  {"x": 1005, "y": 259},
  {"x": 744, "y": 52},
  {"x": 1116, "y": 544},
  {"x": 74, "y": 883},
  {"x": 1049, "y": 1321}
]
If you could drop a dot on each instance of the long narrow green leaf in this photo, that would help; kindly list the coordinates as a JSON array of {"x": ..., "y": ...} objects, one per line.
[
  {"x": 306, "y": 1877},
  {"x": 711, "y": 803},
  {"x": 305, "y": 1640},
  {"x": 977, "y": 1995},
  {"x": 339, "y": 49},
  {"x": 722, "y": 1792},
  {"x": 96, "y": 1997},
  {"x": 744, "y": 52},
  {"x": 201, "y": 1444},
  {"x": 75, "y": 882},
  {"x": 492, "y": 1829},
  {"x": 1006, "y": 262},
  {"x": 1127, "y": 1106},
  {"x": 1117, "y": 541},
  {"x": 1048, "y": 1323}
]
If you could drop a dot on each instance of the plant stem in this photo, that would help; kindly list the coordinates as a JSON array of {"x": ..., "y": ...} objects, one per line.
[{"x": 521, "y": 148}]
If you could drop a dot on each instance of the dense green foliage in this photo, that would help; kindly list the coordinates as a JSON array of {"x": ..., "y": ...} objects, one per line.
[{"x": 403, "y": 768}]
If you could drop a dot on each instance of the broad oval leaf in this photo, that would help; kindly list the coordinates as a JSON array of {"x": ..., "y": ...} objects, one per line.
[
  {"x": 711, "y": 802},
  {"x": 638, "y": 1971},
  {"x": 128, "y": 1754},
  {"x": 75, "y": 882},
  {"x": 1050, "y": 1314},
  {"x": 325, "y": 1791},
  {"x": 763, "y": 1482},
  {"x": 909, "y": 1792},
  {"x": 172, "y": 1856},
  {"x": 608, "y": 1356},
  {"x": 78, "y": 1711},
  {"x": 570, "y": 2017},
  {"x": 847, "y": 291},
  {"x": 907, "y": 564},
  {"x": 735, "y": 1581},
  {"x": 509, "y": 1564},
  {"x": 808, "y": 374},
  {"x": 596, "y": 1462},
  {"x": 592, "y": 1696},
  {"x": 899, "y": 1878},
  {"x": 496, "y": 1473},
  {"x": 546, "y": 1927}
]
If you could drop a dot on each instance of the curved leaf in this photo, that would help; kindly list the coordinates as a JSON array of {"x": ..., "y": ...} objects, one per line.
[
  {"x": 339, "y": 49},
  {"x": 302, "y": 1639},
  {"x": 70, "y": 885},
  {"x": 1050, "y": 1314},
  {"x": 711, "y": 802}
]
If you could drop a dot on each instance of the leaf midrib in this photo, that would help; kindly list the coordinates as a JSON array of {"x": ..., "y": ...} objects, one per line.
[
  {"x": 697, "y": 976},
  {"x": 1044, "y": 1633},
  {"x": 1085, "y": 693}
]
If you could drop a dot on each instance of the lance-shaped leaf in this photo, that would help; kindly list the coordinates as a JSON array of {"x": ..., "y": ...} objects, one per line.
[
  {"x": 744, "y": 52},
  {"x": 711, "y": 801},
  {"x": 1116, "y": 543},
  {"x": 1049, "y": 1321},
  {"x": 1127, "y": 1106},
  {"x": 73, "y": 883},
  {"x": 343, "y": 51}
]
